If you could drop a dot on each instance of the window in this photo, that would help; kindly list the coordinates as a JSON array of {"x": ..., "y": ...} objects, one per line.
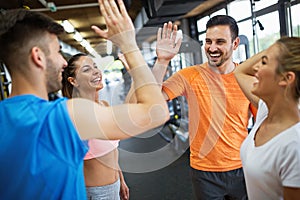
[
  {"x": 263, "y": 4},
  {"x": 246, "y": 28},
  {"x": 201, "y": 24},
  {"x": 201, "y": 38},
  {"x": 271, "y": 31},
  {"x": 295, "y": 20},
  {"x": 239, "y": 9},
  {"x": 219, "y": 12}
]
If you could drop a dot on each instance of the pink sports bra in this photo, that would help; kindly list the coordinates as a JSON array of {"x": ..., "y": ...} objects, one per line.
[{"x": 98, "y": 148}]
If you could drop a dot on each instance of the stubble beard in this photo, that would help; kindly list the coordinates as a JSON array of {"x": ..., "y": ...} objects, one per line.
[
  {"x": 54, "y": 83},
  {"x": 215, "y": 64}
]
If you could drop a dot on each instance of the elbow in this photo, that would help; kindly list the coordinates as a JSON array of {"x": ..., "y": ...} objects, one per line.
[{"x": 159, "y": 113}]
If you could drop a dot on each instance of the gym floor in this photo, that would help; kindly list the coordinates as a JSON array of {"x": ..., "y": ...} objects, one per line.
[{"x": 171, "y": 182}]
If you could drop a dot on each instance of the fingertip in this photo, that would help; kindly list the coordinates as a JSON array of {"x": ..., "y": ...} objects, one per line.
[
  {"x": 175, "y": 27},
  {"x": 93, "y": 27}
]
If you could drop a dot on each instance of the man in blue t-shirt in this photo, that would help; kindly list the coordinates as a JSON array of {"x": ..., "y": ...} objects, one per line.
[{"x": 41, "y": 142}]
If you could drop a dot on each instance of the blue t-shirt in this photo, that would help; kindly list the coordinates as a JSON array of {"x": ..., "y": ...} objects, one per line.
[{"x": 41, "y": 154}]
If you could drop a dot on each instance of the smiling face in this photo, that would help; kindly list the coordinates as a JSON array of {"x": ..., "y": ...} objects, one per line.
[
  {"x": 88, "y": 76},
  {"x": 219, "y": 45},
  {"x": 268, "y": 79}
]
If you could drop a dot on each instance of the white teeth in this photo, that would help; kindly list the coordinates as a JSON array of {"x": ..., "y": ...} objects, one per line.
[
  {"x": 96, "y": 80},
  {"x": 213, "y": 55}
]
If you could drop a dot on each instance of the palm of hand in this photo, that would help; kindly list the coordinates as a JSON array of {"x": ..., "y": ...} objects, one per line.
[{"x": 166, "y": 48}]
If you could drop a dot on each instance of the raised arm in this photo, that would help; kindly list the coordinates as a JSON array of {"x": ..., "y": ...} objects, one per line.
[
  {"x": 245, "y": 75},
  {"x": 167, "y": 46},
  {"x": 122, "y": 121}
]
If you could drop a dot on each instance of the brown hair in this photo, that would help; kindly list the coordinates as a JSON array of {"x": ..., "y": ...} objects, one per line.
[
  {"x": 69, "y": 71},
  {"x": 20, "y": 30}
]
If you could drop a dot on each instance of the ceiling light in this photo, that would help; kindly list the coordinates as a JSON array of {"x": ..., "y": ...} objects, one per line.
[
  {"x": 84, "y": 43},
  {"x": 69, "y": 28},
  {"x": 89, "y": 49},
  {"x": 77, "y": 36}
]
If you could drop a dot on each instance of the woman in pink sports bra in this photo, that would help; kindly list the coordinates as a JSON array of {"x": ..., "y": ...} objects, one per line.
[{"x": 103, "y": 178}]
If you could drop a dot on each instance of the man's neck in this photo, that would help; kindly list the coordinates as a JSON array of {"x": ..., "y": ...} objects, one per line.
[
  {"x": 21, "y": 86},
  {"x": 226, "y": 68}
]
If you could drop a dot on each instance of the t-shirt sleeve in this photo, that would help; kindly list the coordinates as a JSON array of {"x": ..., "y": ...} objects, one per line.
[
  {"x": 175, "y": 85},
  {"x": 290, "y": 165},
  {"x": 262, "y": 111}
]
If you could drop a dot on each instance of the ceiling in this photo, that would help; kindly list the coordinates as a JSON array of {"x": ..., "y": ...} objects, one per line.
[{"x": 84, "y": 13}]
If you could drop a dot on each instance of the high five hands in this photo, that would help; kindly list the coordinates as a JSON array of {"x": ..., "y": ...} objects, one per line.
[
  {"x": 167, "y": 45},
  {"x": 120, "y": 29}
]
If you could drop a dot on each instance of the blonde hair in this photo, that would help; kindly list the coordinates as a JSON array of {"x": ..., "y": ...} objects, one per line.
[{"x": 289, "y": 59}]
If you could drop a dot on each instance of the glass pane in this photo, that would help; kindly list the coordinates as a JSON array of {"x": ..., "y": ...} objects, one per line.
[
  {"x": 263, "y": 4},
  {"x": 202, "y": 40},
  {"x": 219, "y": 12},
  {"x": 295, "y": 20},
  {"x": 245, "y": 28},
  {"x": 239, "y": 9},
  {"x": 271, "y": 31},
  {"x": 201, "y": 23}
]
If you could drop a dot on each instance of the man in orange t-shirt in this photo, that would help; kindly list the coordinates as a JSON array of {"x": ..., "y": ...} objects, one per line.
[{"x": 218, "y": 109}]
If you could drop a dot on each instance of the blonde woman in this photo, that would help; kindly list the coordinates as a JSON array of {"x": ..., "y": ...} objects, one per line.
[{"x": 271, "y": 153}]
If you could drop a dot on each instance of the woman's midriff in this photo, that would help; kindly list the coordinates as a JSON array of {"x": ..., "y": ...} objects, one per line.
[{"x": 102, "y": 170}]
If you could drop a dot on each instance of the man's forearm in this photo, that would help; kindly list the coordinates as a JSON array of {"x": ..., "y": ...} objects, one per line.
[{"x": 159, "y": 70}]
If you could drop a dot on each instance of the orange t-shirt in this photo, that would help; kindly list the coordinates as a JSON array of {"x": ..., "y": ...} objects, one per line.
[{"x": 218, "y": 116}]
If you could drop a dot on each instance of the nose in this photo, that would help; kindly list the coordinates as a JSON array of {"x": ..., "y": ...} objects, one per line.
[
  {"x": 97, "y": 71},
  {"x": 65, "y": 63},
  {"x": 212, "y": 47},
  {"x": 256, "y": 67}
]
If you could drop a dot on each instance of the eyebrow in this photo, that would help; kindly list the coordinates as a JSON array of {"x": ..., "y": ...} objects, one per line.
[
  {"x": 217, "y": 40},
  {"x": 86, "y": 66},
  {"x": 264, "y": 57}
]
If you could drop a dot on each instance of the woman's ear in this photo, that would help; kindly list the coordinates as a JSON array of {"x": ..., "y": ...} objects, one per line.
[
  {"x": 73, "y": 81},
  {"x": 38, "y": 57},
  {"x": 287, "y": 78}
]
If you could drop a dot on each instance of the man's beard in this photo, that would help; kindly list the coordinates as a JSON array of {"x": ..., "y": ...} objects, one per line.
[
  {"x": 216, "y": 64},
  {"x": 52, "y": 77}
]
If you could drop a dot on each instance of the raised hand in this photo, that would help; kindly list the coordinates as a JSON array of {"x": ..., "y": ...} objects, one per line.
[
  {"x": 120, "y": 29},
  {"x": 167, "y": 46}
]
